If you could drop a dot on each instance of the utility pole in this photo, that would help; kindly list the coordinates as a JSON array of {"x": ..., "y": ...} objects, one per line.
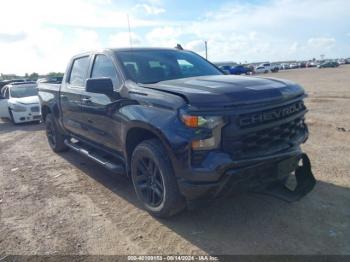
[{"x": 206, "y": 49}]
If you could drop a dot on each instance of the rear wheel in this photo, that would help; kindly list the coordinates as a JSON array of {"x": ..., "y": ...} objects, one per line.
[
  {"x": 54, "y": 136},
  {"x": 154, "y": 180}
]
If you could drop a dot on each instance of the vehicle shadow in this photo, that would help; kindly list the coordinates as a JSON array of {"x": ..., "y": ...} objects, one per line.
[
  {"x": 251, "y": 223},
  {"x": 6, "y": 126}
]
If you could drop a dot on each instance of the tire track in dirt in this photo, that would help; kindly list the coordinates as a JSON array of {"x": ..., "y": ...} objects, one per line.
[
  {"x": 135, "y": 224},
  {"x": 138, "y": 229},
  {"x": 30, "y": 221},
  {"x": 329, "y": 97}
]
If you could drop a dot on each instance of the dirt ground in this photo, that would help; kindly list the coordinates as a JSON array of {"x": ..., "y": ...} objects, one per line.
[{"x": 64, "y": 204}]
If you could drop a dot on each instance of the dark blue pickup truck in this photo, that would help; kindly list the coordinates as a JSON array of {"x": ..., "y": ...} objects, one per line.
[
  {"x": 235, "y": 70},
  {"x": 178, "y": 127}
]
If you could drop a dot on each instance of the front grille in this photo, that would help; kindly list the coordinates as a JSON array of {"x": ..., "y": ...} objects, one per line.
[
  {"x": 34, "y": 109},
  {"x": 270, "y": 115},
  {"x": 260, "y": 140}
]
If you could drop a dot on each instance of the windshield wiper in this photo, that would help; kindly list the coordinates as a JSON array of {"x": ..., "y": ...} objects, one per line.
[{"x": 149, "y": 83}]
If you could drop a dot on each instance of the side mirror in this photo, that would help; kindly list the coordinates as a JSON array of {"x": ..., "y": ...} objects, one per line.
[{"x": 99, "y": 85}]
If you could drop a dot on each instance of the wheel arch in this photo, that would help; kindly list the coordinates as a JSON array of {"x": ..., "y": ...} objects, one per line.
[
  {"x": 138, "y": 132},
  {"x": 45, "y": 110}
]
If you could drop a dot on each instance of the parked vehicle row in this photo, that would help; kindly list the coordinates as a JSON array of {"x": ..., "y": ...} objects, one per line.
[
  {"x": 328, "y": 64},
  {"x": 238, "y": 69},
  {"x": 232, "y": 68}
]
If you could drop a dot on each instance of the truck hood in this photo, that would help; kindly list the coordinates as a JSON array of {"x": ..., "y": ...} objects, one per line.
[
  {"x": 25, "y": 100},
  {"x": 227, "y": 90}
]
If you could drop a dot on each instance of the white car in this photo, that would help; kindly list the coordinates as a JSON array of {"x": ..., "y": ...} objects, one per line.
[
  {"x": 293, "y": 66},
  {"x": 263, "y": 68},
  {"x": 20, "y": 103}
]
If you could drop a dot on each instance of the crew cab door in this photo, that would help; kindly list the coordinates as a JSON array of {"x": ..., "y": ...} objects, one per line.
[
  {"x": 4, "y": 107},
  {"x": 99, "y": 111},
  {"x": 71, "y": 94}
]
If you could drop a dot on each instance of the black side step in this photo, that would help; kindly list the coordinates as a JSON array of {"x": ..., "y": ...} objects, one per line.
[{"x": 110, "y": 165}]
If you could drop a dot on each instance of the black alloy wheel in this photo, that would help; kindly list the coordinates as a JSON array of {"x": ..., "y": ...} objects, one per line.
[
  {"x": 149, "y": 182},
  {"x": 154, "y": 181},
  {"x": 50, "y": 133},
  {"x": 54, "y": 136}
]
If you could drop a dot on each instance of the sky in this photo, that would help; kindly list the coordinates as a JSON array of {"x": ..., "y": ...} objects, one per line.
[{"x": 42, "y": 35}]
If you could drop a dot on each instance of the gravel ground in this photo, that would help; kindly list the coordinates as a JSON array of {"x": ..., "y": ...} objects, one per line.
[{"x": 64, "y": 204}]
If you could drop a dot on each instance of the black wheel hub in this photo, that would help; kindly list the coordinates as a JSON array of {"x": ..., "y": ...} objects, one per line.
[{"x": 149, "y": 182}]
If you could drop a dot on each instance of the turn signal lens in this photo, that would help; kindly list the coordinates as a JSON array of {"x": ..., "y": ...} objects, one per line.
[
  {"x": 190, "y": 121},
  {"x": 202, "y": 121}
]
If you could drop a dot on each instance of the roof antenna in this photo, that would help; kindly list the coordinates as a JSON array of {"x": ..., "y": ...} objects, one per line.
[
  {"x": 130, "y": 40},
  {"x": 179, "y": 47}
]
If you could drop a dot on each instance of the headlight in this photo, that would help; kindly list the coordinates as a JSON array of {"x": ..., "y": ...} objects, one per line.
[
  {"x": 18, "y": 108},
  {"x": 202, "y": 121},
  {"x": 215, "y": 123}
]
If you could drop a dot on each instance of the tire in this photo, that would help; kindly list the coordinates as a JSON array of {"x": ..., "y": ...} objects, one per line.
[
  {"x": 154, "y": 181},
  {"x": 54, "y": 136}
]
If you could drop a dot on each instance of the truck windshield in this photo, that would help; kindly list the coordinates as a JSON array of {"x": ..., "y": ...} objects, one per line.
[
  {"x": 152, "y": 66},
  {"x": 19, "y": 92}
]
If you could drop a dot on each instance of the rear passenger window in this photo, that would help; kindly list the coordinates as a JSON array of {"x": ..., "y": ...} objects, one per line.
[
  {"x": 104, "y": 67},
  {"x": 79, "y": 71}
]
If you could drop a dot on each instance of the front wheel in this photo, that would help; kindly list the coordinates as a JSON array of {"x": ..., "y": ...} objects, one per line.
[
  {"x": 12, "y": 118},
  {"x": 154, "y": 180},
  {"x": 54, "y": 136}
]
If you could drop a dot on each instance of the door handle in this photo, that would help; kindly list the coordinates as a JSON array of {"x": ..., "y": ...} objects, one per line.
[{"x": 86, "y": 100}]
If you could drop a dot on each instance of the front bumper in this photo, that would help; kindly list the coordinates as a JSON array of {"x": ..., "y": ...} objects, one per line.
[
  {"x": 27, "y": 116},
  {"x": 266, "y": 175}
]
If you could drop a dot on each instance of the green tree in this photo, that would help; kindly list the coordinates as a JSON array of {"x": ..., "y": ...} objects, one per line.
[
  {"x": 34, "y": 76},
  {"x": 55, "y": 74}
]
